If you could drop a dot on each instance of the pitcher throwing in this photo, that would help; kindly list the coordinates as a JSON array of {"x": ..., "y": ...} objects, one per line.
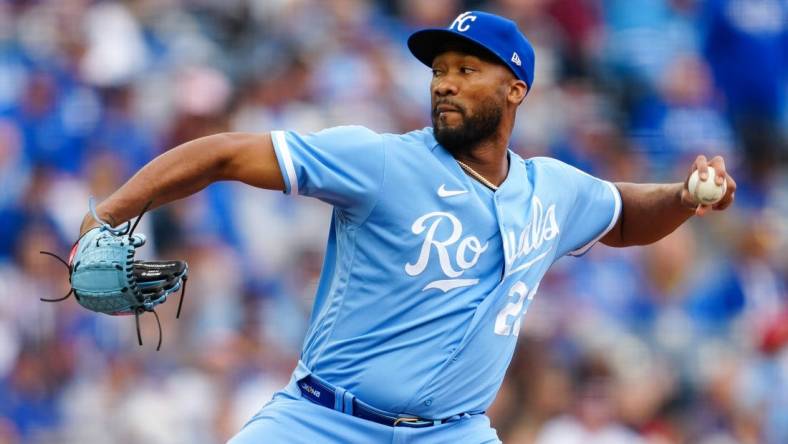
[{"x": 439, "y": 239}]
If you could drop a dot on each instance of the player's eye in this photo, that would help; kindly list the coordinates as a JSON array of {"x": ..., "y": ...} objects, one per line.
[
  {"x": 435, "y": 72},
  {"x": 467, "y": 70}
]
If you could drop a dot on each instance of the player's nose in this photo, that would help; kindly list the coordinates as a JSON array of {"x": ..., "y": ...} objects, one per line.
[{"x": 444, "y": 86}]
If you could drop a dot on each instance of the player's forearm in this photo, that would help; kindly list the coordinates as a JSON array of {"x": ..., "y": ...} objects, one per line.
[
  {"x": 177, "y": 173},
  {"x": 649, "y": 213}
]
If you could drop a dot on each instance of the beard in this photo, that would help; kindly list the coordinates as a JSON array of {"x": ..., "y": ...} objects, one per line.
[{"x": 464, "y": 137}]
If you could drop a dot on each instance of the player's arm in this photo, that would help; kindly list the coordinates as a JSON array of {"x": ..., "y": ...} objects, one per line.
[
  {"x": 652, "y": 211},
  {"x": 190, "y": 167}
]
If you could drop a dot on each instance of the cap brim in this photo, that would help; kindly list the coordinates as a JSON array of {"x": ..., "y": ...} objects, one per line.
[{"x": 428, "y": 43}]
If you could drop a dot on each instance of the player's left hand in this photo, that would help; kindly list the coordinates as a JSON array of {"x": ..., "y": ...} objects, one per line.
[{"x": 700, "y": 164}]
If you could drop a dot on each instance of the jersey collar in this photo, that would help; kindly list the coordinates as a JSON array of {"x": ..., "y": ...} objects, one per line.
[{"x": 517, "y": 171}]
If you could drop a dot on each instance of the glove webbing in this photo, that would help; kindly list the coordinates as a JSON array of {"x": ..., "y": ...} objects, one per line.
[{"x": 128, "y": 229}]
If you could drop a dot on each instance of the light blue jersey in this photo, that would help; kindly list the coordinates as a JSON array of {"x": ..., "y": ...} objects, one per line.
[{"x": 428, "y": 272}]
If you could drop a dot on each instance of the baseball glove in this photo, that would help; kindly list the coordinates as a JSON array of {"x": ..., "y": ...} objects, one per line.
[{"x": 105, "y": 277}]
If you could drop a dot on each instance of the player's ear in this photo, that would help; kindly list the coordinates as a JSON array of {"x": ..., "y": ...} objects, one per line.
[{"x": 517, "y": 91}]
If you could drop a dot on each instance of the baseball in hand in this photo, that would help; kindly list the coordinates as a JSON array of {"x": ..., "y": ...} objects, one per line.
[{"x": 706, "y": 192}]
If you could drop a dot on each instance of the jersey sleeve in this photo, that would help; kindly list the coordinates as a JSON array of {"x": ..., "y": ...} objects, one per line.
[
  {"x": 596, "y": 209},
  {"x": 342, "y": 166}
]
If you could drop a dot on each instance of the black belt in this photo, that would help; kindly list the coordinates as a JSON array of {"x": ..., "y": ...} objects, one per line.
[{"x": 322, "y": 393}]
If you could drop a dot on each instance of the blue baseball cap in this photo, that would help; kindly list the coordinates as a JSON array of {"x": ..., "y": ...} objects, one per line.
[{"x": 496, "y": 34}]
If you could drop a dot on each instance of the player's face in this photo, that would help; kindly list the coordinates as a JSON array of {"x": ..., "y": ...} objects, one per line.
[{"x": 468, "y": 98}]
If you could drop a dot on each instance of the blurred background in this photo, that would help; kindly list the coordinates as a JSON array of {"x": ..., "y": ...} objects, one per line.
[{"x": 684, "y": 341}]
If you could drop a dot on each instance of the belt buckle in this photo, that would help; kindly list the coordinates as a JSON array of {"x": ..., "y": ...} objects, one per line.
[
  {"x": 398, "y": 421},
  {"x": 412, "y": 422}
]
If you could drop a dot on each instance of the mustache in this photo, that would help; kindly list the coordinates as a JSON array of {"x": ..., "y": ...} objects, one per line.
[{"x": 448, "y": 102}]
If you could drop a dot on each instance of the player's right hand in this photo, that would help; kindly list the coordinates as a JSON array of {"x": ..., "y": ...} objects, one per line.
[{"x": 700, "y": 164}]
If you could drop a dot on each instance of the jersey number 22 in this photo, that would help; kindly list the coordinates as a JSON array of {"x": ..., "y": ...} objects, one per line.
[{"x": 508, "y": 320}]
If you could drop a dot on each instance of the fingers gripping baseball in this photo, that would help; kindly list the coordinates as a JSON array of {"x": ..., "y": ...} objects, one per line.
[{"x": 708, "y": 186}]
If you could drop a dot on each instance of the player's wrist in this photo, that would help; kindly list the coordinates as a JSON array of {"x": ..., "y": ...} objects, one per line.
[
  {"x": 685, "y": 200},
  {"x": 88, "y": 223}
]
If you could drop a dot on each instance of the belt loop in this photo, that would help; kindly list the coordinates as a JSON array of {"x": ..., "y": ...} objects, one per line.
[
  {"x": 339, "y": 399},
  {"x": 348, "y": 397}
]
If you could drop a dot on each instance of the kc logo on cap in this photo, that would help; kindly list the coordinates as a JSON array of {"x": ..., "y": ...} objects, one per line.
[{"x": 460, "y": 22}]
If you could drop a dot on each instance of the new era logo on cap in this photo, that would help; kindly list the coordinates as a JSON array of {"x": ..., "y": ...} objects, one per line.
[{"x": 516, "y": 59}]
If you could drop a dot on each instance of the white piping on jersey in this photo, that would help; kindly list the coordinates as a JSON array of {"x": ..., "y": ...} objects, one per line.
[
  {"x": 281, "y": 143},
  {"x": 616, "y": 213}
]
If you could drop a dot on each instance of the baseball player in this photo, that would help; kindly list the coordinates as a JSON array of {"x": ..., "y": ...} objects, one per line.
[{"x": 439, "y": 238}]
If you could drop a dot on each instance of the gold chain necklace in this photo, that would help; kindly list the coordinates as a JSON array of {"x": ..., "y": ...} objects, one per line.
[{"x": 477, "y": 176}]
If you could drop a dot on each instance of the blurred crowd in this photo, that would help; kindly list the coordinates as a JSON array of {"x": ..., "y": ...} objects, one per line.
[{"x": 684, "y": 341}]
